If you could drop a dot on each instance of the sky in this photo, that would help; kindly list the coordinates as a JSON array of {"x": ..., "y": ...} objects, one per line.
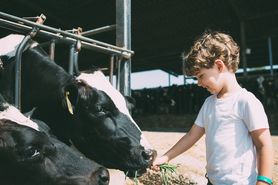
[
  {"x": 157, "y": 78},
  {"x": 154, "y": 78}
]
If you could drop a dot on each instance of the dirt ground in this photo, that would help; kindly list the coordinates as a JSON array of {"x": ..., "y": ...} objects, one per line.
[{"x": 192, "y": 162}]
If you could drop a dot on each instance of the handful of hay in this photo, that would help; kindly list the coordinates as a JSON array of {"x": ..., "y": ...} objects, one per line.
[
  {"x": 166, "y": 176},
  {"x": 167, "y": 169}
]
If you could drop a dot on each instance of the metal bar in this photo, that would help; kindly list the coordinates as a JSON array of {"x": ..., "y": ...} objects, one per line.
[
  {"x": 119, "y": 60},
  {"x": 64, "y": 33},
  {"x": 76, "y": 67},
  {"x": 243, "y": 47},
  {"x": 99, "y": 30},
  {"x": 52, "y": 49},
  {"x": 123, "y": 39},
  {"x": 18, "y": 55},
  {"x": 270, "y": 56},
  {"x": 71, "y": 58},
  {"x": 14, "y": 26},
  {"x": 25, "y": 29},
  {"x": 111, "y": 71}
]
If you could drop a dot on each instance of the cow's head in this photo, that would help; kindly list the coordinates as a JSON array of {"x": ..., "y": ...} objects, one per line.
[
  {"x": 109, "y": 134},
  {"x": 96, "y": 119},
  {"x": 32, "y": 157}
]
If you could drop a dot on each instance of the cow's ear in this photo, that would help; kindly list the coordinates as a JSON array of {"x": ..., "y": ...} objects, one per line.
[
  {"x": 130, "y": 103},
  {"x": 85, "y": 95},
  {"x": 30, "y": 113}
]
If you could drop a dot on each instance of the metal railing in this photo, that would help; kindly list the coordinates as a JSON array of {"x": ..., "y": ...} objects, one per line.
[{"x": 22, "y": 25}]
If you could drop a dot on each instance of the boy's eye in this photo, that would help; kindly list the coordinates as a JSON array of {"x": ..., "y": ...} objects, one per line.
[{"x": 199, "y": 77}]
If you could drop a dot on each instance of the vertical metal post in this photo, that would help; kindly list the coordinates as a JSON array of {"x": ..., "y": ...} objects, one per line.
[
  {"x": 243, "y": 47},
  {"x": 270, "y": 56},
  {"x": 52, "y": 49},
  {"x": 111, "y": 71},
  {"x": 18, "y": 55},
  {"x": 123, "y": 39},
  {"x": 118, "y": 64},
  {"x": 75, "y": 61},
  {"x": 71, "y": 59}
]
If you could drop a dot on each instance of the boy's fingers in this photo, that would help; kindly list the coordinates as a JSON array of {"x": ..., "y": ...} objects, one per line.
[{"x": 155, "y": 168}]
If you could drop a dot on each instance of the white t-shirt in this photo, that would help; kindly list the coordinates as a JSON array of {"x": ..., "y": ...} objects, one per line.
[{"x": 230, "y": 152}]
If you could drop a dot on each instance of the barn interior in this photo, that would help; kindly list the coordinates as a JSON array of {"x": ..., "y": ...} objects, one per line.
[{"x": 160, "y": 30}]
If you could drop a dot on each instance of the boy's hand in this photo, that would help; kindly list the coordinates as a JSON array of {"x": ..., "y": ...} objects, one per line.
[{"x": 158, "y": 161}]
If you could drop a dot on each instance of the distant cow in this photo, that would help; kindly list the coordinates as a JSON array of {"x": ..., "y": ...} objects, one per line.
[
  {"x": 29, "y": 155},
  {"x": 86, "y": 111}
]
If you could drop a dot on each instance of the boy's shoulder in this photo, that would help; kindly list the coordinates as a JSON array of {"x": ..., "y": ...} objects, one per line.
[
  {"x": 247, "y": 97},
  {"x": 243, "y": 96},
  {"x": 210, "y": 98},
  {"x": 244, "y": 93}
]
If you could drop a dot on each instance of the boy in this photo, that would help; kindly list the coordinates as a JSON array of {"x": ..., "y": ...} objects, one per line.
[{"x": 238, "y": 142}]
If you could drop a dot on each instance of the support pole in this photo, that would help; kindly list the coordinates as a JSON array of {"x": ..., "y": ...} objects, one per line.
[
  {"x": 18, "y": 55},
  {"x": 270, "y": 56},
  {"x": 243, "y": 48},
  {"x": 123, "y": 39},
  {"x": 73, "y": 56},
  {"x": 111, "y": 71},
  {"x": 71, "y": 59},
  {"x": 52, "y": 49}
]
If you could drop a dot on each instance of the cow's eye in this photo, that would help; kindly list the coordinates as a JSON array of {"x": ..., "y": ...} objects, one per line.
[
  {"x": 99, "y": 108},
  {"x": 31, "y": 152}
]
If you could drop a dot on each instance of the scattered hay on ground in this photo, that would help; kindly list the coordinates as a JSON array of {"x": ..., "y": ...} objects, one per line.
[{"x": 156, "y": 178}]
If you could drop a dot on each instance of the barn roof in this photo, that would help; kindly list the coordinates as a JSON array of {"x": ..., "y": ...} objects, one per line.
[{"x": 161, "y": 29}]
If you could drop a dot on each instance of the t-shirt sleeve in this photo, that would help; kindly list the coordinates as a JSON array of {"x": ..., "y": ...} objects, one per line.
[
  {"x": 200, "y": 120},
  {"x": 254, "y": 114}
]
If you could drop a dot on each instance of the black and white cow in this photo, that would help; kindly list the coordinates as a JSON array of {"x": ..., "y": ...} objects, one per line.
[
  {"x": 29, "y": 155},
  {"x": 86, "y": 110}
]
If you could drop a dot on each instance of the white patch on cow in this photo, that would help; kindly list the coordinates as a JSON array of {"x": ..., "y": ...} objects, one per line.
[
  {"x": 13, "y": 114},
  {"x": 144, "y": 142},
  {"x": 9, "y": 44},
  {"x": 100, "y": 82}
]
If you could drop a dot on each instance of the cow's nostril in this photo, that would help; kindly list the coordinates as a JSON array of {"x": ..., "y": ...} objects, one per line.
[
  {"x": 103, "y": 176},
  {"x": 147, "y": 154}
]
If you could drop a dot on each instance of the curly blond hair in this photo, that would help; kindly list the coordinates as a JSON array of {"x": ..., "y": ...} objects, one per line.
[{"x": 209, "y": 47}]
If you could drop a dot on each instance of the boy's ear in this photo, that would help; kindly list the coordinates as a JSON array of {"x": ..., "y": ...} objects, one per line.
[{"x": 220, "y": 65}]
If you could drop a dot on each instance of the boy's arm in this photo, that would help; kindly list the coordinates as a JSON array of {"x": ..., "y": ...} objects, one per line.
[
  {"x": 195, "y": 133},
  {"x": 263, "y": 143}
]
